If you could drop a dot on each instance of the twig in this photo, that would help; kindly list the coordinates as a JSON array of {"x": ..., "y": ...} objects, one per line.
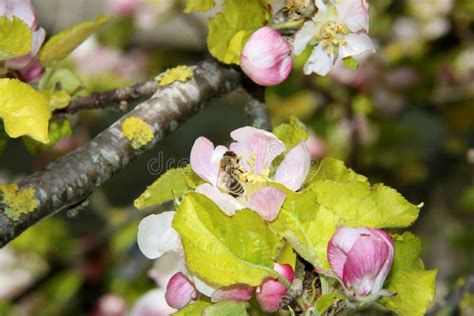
[
  {"x": 120, "y": 96},
  {"x": 68, "y": 182}
]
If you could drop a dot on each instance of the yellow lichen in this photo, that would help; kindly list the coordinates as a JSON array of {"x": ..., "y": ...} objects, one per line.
[
  {"x": 17, "y": 202},
  {"x": 179, "y": 73},
  {"x": 137, "y": 132}
]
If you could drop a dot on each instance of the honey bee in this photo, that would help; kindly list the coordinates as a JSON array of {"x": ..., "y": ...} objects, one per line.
[{"x": 229, "y": 174}]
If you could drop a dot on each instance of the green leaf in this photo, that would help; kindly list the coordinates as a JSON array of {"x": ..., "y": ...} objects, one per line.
[
  {"x": 225, "y": 250},
  {"x": 61, "y": 45},
  {"x": 292, "y": 133},
  {"x": 306, "y": 226},
  {"x": 230, "y": 29},
  {"x": 326, "y": 301},
  {"x": 199, "y": 5},
  {"x": 57, "y": 129},
  {"x": 193, "y": 309},
  {"x": 15, "y": 38},
  {"x": 334, "y": 170},
  {"x": 350, "y": 63},
  {"x": 414, "y": 287},
  {"x": 24, "y": 110},
  {"x": 61, "y": 78},
  {"x": 173, "y": 183},
  {"x": 228, "y": 308}
]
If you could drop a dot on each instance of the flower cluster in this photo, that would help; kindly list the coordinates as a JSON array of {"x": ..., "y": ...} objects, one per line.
[
  {"x": 338, "y": 30},
  {"x": 359, "y": 257},
  {"x": 28, "y": 66}
]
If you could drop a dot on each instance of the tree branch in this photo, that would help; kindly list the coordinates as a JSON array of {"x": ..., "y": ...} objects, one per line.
[{"x": 68, "y": 182}]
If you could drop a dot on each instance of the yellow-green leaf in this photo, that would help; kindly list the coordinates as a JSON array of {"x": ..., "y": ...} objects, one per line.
[
  {"x": 414, "y": 287},
  {"x": 15, "y": 38},
  {"x": 193, "y": 309},
  {"x": 225, "y": 250},
  {"x": 24, "y": 110},
  {"x": 306, "y": 226},
  {"x": 230, "y": 29},
  {"x": 228, "y": 308},
  {"x": 57, "y": 129},
  {"x": 292, "y": 133},
  {"x": 199, "y": 5},
  {"x": 173, "y": 183},
  {"x": 61, "y": 45}
]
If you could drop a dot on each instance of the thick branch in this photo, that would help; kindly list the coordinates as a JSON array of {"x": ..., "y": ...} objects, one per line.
[{"x": 69, "y": 181}]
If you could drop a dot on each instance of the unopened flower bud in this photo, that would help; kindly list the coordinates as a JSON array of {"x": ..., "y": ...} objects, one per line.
[
  {"x": 271, "y": 291},
  {"x": 266, "y": 58},
  {"x": 180, "y": 291},
  {"x": 361, "y": 258}
]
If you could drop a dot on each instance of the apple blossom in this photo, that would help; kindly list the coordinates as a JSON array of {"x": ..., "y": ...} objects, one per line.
[
  {"x": 271, "y": 291},
  {"x": 236, "y": 292},
  {"x": 361, "y": 258},
  {"x": 257, "y": 149},
  {"x": 29, "y": 65},
  {"x": 338, "y": 31},
  {"x": 266, "y": 57}
]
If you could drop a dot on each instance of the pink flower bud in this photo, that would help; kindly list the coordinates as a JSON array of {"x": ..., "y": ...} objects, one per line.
[
  {"x": 271, "y": 291},
  {"x": 316, "y": 146},
  {"x": 33, "y": 71},
  {"x": 361, "y": 258},
  {"x": 180, "y": 291},
  {"x": 266, "y": 57},
  {"x": 236, "y": 292}
]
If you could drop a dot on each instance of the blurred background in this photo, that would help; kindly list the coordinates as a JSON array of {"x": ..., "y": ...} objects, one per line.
[{"x": 405, "y": 117}]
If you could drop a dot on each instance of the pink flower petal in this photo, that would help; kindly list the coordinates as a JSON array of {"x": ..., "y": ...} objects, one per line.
[
  {"x": 316, "y": 146},
  {"x": 294, "y": 168},
  {"x": 354, "y": 14},
  {"x": 267, "y": 202},
  {"x": 205, "y": 159},
  {"x": 156, "y": 236},
  {"x": 258, "y": 146},
  {"x": 153, "y": 303},
  {"x": 226, "y": 202},
  {"x": 180, "y": 291},
  {"x": 236, "y": 292}
]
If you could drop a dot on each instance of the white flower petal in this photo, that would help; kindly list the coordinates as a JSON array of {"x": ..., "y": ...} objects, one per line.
[
  {"x": 165, "y": 267},
  {"x": 354, "y": 14},
  {"x": 319, "y": 62},
  {"x": 204, "y": 287},
  {"x": 227, "y": 203},
  {"x": 152, "y": 303},
  {"x": 356, "y": 45},
  {"x": 156, "y": 236},
  {"x": 294, "y": 168},
  {"x": 304, "y": 36}
]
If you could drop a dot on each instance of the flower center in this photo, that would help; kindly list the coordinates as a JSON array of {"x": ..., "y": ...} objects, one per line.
[{"x": 332, "y": 35}]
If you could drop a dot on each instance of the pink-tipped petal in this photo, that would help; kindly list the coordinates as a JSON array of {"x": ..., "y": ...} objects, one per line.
[
  {"x": 316, "y": 146},
  {"x": 236, "y": 292},
  {"x": 256, "y": 145},
  {"x": 156, "y": 236},
  {"x": 153, "y": 303},
  {"x": 226, "y": 202},
  {"x": 271, "y": 291},
  {"x": 33, "y": 71},
  {"x": 339, "y": 246},
  {"x": 180, "y": 291},
  {"x": 22, "y": 9},
  {"x": 266, "y": 57},
  {"x": 294, "y": 168},
  {"x": 204, "y": 159},
  {"x": 267, "y": 202},
  {"x": 354, "y": 14}
]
